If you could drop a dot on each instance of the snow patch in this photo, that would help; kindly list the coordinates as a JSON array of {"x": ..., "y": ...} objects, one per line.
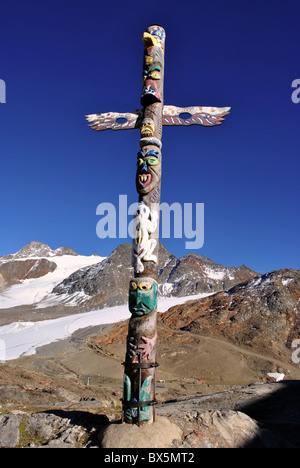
[
  {"x": 23, "y": 338},
  {"x": 213, "y": 273},
  {"x": 32, "y": 291},
  {"x": 285, "y": 282}
]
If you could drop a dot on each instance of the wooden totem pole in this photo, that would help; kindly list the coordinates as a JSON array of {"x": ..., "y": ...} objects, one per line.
[{"x": 140, "y": 361}]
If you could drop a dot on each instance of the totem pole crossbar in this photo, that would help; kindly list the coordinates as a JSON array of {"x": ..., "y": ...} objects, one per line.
[{"x": 139, "y": 365}]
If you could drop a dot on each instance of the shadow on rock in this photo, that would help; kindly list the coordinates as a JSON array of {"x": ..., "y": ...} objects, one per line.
[{"x": 278, "y": 411}]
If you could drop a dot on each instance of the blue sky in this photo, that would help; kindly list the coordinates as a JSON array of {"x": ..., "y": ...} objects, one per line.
[{"x": 63, "y": 59}]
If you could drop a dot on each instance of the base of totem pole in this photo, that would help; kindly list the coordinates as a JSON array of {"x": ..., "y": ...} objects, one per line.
[{"x": 160, "y": 434}]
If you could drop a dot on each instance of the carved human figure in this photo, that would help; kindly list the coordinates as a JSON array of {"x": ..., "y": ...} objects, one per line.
[{"x": 145, "y": 224}]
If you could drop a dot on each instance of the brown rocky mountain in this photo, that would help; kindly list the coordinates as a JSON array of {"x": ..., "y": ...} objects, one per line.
[
  {"x": 106, "y": 283},
  {"x": 13, "y": 271},
  {"x": 29, "y": 262},
  {"x": 236, "y": 336},
  {"x": 262, "y": 313}
]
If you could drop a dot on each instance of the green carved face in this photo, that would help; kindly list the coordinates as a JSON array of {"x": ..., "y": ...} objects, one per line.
[{"x": 142, "y": 296}]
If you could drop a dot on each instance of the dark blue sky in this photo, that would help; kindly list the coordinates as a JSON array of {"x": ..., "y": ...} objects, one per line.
[{"x": 64, "y": 59}]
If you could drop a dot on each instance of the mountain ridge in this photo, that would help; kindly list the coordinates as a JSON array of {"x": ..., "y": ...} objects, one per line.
[
  {"x": 38, "y": 249},
  {"x": 188, "y": 275}
]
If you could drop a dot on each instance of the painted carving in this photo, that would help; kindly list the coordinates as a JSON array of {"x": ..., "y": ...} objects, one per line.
[
  {"x": 145, "y": 396},
  {"x": 150, "y": 141},
  {"x": 145, "y": 223},
  {"x": 206, "y": 116},
  {"x": 127, "y": 388},
  {"x": 152, "y": 73},
  {"x": 150, "y": 93},
  {"x": 148, "y": 172},
  {"x": 142, "y": 298},
  {"x": 153, "y": 57},
  {"x": 131, "y": 348},
  {"x": 144, "y": 348},
  {"x": 147, "y": 128},
  {"x": 145, "y": 412},
  {"x": 147, "y": 346},
  {"x": 115, "y": 120},
  {"x": 154, "y": 36}
]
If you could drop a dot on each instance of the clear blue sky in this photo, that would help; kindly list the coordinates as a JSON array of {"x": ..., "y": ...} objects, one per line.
[{"x": 64, "y": 59}]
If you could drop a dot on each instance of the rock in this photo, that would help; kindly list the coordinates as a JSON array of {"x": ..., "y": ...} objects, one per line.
[
  {"x": 260, "y": 415},
  {"x": 14, "y": 271},
  {"x": 229, "y": 429},
  {"x": 29, "y": 262},
  {"x": 9, "y": 430},
  {"x": 160, "y": 434},
  {"x": 48, "y": 429}
]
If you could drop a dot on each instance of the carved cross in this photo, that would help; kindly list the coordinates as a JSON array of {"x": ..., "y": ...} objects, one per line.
[{"x": 140, "y": 361}]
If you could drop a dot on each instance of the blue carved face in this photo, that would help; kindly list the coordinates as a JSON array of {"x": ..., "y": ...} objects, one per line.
[{"x": 148, "y": 172}]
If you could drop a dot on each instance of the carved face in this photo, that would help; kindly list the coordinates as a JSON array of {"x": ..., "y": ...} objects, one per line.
[
  {"x": 150, "y": 93},
  {"x": 152, "y": 73},
  {"x": 147, "y": 128},
  {"x": 148, "y": 172},
  {"x": 142, "y": 296}
]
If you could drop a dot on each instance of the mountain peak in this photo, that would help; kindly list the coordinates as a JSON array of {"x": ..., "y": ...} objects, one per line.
[{"x": 38, "y": 249}]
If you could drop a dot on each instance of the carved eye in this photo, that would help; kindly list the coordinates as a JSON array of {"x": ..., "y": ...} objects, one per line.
[
  {"x": 133, "y": 286},
  {"x": 152, "y": 161},
  {"x": 157, "y": 32},
  {"x": 145, "y": 286},
  {"x": 155, "y": 75}
]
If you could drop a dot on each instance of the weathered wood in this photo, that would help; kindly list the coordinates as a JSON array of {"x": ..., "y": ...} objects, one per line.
[
  {"x": 142, "y": 329},
  {"x": 205, "y": 116}
]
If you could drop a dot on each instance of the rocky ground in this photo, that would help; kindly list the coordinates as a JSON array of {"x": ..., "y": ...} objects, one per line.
[
  {"x": 70, "y": 391},
  {"x": 214, "y": 382}
]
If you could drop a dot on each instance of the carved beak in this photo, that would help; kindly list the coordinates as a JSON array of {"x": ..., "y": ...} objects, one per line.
[{"x": 149, "y": 40}]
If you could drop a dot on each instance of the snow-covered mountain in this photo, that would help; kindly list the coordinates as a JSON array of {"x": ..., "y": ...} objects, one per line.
[
  {"x": 28, "y": 276},
  {"x": 44, "y": 278},
  {"x": 38, "y": 250},
  {"x": 107, "y": 282}
]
